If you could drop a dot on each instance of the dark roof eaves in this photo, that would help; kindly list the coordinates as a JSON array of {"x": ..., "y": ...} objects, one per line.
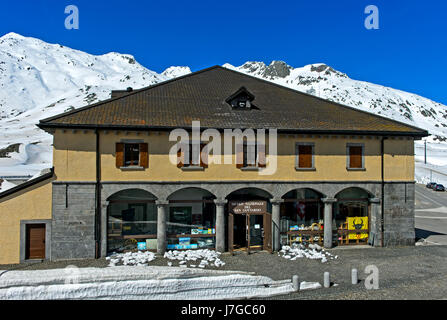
[
  {"x": 422, "y": 133},
  {"x": 27, "y": 184}
]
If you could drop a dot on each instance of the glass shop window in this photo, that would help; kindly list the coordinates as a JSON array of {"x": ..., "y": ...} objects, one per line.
[
  {"x": 302, "y": 210},
  {"x": 191, "y": 226},
  {"x": 132, "y": 222}
]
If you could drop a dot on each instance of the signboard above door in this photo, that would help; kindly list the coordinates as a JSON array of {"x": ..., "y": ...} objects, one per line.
[{"x": 248, "y": 207}]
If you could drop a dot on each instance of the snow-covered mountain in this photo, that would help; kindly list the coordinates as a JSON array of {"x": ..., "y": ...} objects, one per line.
[{"x": 38, "y": 80}]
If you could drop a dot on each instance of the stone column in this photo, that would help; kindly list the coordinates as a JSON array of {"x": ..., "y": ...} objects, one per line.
[
  {"x": 220, "y": 224},
  {"x": 375, "y": 234},
  {"x": 328, "y": 221},
  {"x": 162, "y": 206},
  {"x": 276, "y": 217},
  {"x": 104, "y": 231}
]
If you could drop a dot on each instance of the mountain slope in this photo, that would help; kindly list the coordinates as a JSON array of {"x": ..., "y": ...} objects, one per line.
[
  {"x": 323, "y": 81},
  {"x": 38, "y": 80}
]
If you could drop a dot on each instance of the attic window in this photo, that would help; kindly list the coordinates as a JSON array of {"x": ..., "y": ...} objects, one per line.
[{"x": 241, "y": 99}]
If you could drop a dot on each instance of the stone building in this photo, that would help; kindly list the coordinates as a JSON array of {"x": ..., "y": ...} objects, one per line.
[{"x": 343, "y": 176}]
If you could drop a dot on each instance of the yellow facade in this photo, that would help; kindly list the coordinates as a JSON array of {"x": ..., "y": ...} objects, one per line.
[
  {"x": 33, "y": 203},
  {"x": 74, "y": 160}
]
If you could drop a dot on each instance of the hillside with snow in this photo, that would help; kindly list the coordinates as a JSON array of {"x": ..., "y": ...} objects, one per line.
[{"x": 39, "y": 80}]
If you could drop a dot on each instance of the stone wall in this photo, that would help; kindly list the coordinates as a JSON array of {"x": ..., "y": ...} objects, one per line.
[
  {"x": 399, "y": 214},
  {"x": 73, "y": 225}
]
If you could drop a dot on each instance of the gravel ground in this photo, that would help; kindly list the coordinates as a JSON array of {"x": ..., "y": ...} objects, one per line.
[{"x": 404, "y": 273}]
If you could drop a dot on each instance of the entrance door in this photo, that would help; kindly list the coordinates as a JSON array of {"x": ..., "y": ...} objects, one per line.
[
  {"x": 35, "y": 241},
  {"x": 249, "y": 232},
  {"x": 255, "y": 231},
  {"x": 249, "y": 226}
]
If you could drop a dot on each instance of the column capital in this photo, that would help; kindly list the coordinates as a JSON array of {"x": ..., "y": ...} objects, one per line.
[
  {"x": 276, "y": 201},
  {"x": 328, "y": 200},
  {"x": 375, "y": 200},
  {"x": 161, "y": 203},
  {"x": 220, "y": 202}
]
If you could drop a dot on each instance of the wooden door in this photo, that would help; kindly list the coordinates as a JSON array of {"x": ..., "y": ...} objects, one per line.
[
  {"x": 35, "y": 241},
  {"x": 268, "y": 232}
]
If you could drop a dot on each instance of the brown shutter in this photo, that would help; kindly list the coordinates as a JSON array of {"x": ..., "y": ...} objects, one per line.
[
  {"x": 305, "y": 156},
  {"x": 355, "y": 157},
  {"x": 239, "y": 156},
  {"x": 119, "y": 155},
  {"x": 144, "y": 156},
  {"x": 180, "y": 157},
  {"x": 203, "y": 156},
  {"x": 261, "y": 156}
]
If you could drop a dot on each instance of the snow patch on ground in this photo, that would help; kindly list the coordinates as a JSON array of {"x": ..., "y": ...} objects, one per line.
[
  {"x": 205, "y": 256},
  {"x": 187, "y": 258},
  {"x": 140, "y": 258},
  {"x": 314, "y": 252},
  {"x": 152, "y": 283}
]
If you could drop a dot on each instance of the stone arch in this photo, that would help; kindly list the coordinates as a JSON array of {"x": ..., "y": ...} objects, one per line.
[
  {"x": 318, "y": 192},
  {"x": 130, "y": 193},
  {"x": 255, "y": 190},
  {"x": 373, "y": 189},
  {"x": 108, "y": 190},
  {"x": 181, "y": 189},
  {"x": 362, "y": 192}
]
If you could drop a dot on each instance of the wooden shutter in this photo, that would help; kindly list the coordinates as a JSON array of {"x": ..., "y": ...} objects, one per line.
[
  {"x": 261, "y": 156},
  {"x": 304, "y": 156},
  {"x": 180, "y": 157},
  {"x": 144, "y": 156},
  {"x": 239, "y": 156},
  {"x": 355, "y": 157},
  {"x": 119, "y": 155},
  {"x": 203, "y": 156}
]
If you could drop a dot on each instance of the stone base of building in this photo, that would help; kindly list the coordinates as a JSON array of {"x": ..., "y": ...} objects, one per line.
[{"x": 74, "y": 203}]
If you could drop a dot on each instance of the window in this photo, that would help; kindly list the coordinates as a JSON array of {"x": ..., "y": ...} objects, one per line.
[
  {"x": 355, "y": 158},
  {"x": 190, "y": 158},
  {"x": 132, "y": 155},
  {"x": 250, "y": 152},
  {"x": 250, "y": 155},
  {"x": 305, "y": 155},
  {"x": 131, "y": 219},
  {"x": 241, "y": 99}
]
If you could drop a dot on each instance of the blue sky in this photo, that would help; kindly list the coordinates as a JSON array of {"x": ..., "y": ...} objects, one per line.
[{"x": 408, "y": 52}]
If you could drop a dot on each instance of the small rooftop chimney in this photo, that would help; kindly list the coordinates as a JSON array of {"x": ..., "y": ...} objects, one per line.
[{"x": 120, "y": 93}]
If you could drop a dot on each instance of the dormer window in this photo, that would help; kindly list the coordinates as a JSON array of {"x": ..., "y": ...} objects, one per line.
[{"x": 241, "y": 99}]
